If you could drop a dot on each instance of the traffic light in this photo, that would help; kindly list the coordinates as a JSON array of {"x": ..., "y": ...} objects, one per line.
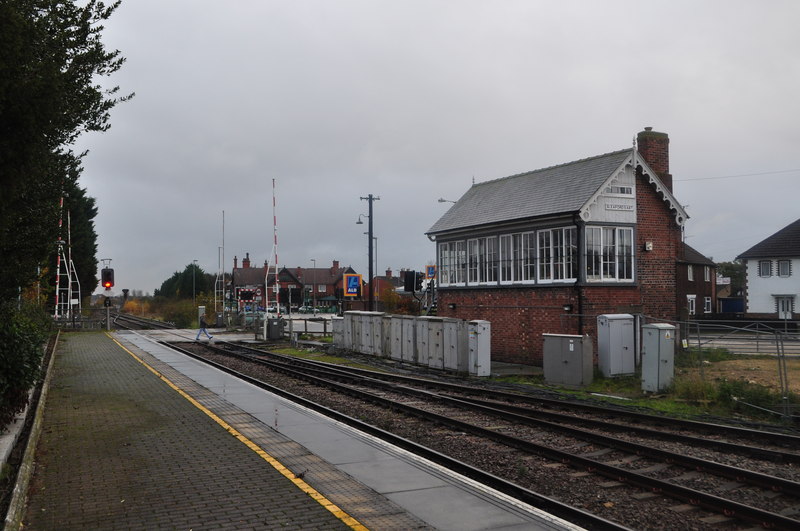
[
  {"x": 413, "y": 281},
  {"x": 409, "y": 281},
  {"x": 107, "y": 277}
]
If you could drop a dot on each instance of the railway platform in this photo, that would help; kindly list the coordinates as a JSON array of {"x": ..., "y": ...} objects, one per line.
[{"x": 137, "y": 436}]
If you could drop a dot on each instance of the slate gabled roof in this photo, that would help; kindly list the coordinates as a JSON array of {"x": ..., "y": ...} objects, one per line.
[
  {"x": 555, "y": 190},
  {"x": 248, "y": 276},
  {"x": 785, "y": 243},
  {"x": 692, "y": 256}
]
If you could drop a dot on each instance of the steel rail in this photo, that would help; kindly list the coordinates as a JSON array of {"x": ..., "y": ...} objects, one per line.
[
  {"x": 739, "y": 474},
  {"x": 709, "y": 501},
  {"x": 791, "y": 441},
  {"x": 534, "y": 499}
]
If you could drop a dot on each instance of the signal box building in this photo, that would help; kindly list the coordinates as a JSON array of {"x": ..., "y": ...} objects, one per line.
[{"x": 549, "y": 250}]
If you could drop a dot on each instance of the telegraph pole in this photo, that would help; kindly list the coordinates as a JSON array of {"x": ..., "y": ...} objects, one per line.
[{"x": 370, "y": 199}]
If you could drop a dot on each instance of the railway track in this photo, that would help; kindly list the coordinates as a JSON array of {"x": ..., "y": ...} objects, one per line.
[
  {"x": 641, "y": 473},
  {"x": 126, "y": 321}
]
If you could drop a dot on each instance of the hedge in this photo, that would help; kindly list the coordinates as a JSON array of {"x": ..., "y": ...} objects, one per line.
[{"x": 23, "y": 333}]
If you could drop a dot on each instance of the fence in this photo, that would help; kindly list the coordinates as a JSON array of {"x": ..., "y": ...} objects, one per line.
[{"x": 770, "y": 342}]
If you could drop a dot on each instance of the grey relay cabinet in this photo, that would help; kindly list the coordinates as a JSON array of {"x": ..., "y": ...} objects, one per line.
[
  {"x": 615, "y": 344},
  {"x": 658, "y": 356},
  {"x": 568, "y": 360}
]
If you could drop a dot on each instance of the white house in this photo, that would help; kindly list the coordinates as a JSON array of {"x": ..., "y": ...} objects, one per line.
[{"x": 772, "y": 269}]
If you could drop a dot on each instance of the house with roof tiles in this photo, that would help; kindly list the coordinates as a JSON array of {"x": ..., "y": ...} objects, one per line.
[
  {"x": 696, "y": 283},
  {"x": 772, "y": 284},
  {"x": 547, "y": 251}
]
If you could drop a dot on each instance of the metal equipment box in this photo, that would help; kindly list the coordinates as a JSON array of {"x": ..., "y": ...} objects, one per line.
[
  {"x": 480, "y": 348},
  {"x": 274, "y": 328},
  {"x": 568, "y": 360},
  {"x": 409, "y": 338},
  {"x": 396, "y": 351},
  {"x": 658, "y": 356},
  {"x": 421, "y": 344},
  {"x": 454, "y": 332},
  {"x": 615, "y": 344}
]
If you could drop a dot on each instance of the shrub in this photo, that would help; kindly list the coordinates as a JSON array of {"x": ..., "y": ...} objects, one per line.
[
  {"x": 694, "y": 389},
  {"x": 23, "y": 333},
  {"x": 739, "y": 395}
]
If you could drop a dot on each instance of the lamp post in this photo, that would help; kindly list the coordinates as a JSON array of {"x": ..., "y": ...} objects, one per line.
[
  {"x": 369, "y": 199},
  {"x": 375, "y": 239},
  {"x": 314, "y": 286},
  {"x": 194, "y": 269}
]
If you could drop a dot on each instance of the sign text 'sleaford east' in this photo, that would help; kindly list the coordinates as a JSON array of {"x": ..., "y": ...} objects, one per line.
[{"x": 610, "y": 206}]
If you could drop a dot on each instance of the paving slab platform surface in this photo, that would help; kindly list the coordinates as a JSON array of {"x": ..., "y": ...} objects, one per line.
[{"x": 138, "y": 436}]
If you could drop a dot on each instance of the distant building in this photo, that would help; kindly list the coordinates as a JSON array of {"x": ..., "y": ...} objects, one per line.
[
  {"x": 772, "y": 284},
  {"x": 253, "y": 288},
  {"x": 549, "y": 250},
  {"x": 697, "y": 283},
  {"x": 325, "y": 285}
]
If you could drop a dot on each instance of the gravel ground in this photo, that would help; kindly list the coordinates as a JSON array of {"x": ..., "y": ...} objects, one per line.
[{"x": 611, "y": 500}]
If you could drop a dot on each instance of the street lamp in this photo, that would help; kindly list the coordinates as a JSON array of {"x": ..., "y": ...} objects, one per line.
[
  {"x": 369, "y": 199},
  {"x": 375, "y": 239},
  {"x": 194, "y": 269},
  {"x": 314, "y": 286}
]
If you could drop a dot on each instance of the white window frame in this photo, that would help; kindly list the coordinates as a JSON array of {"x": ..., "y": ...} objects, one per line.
[
  {"x": 507, "y": 259},
  {"x": 557, "y": 255},
  {"x": 452, "y": 263},
  {"x": 691, "y": 303},
  {"x": 609, "y": 254},
  {"x": 482, "y": 260},
  {"x": 707, "y": 273},
  {"x": 620, "y": 190},
  {"x": 784, "y": 268},
  {"x": 529, "y": 256},
  {"x": 765, "y": 268},
  {"x": 690, "y": 272},
  {"x": 706, "y": 304}
]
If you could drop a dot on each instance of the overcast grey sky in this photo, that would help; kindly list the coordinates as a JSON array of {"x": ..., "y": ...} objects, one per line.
[{"x": 410, "y": 101}]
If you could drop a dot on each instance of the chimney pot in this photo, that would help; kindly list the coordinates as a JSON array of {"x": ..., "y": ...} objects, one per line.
[{"x": 654, "y": 148}]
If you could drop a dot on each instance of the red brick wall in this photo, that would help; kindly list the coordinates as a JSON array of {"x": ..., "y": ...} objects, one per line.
[
  {"x": 654, "y": 147},
  {"x": 519, "y": 317}
]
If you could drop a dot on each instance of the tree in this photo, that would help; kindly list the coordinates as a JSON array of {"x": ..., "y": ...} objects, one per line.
[
  {"x": 50, "y": 55},
  {"x": 186, "y": 284}
]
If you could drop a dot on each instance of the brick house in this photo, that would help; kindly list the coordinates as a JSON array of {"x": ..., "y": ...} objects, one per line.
[
  {"x": 254, "y": 287},
  {"x": 772, "y": 284},
  {"x": 323, "y": 284},
  {"x": 549, "y": 250},
  {"x": 697, "y": 283}
]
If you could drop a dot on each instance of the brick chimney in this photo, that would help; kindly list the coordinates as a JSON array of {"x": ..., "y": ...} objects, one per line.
[
  {"x": 654, "y": 147},
  {"x": 235, "y": 262},
  {"x": 246, "y": 261},
  {"x": 389, "y": 273},
  {"x": 335, "y": 267}
]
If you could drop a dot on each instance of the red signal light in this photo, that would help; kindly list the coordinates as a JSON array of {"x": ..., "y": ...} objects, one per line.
[{"x": 107, "y": 277}]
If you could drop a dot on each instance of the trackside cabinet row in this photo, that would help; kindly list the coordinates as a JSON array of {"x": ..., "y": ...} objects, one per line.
[{"x": 568, "y": 359}]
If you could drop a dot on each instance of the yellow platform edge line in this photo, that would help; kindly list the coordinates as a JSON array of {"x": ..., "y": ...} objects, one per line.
[{"x": 302, "y": 485}]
